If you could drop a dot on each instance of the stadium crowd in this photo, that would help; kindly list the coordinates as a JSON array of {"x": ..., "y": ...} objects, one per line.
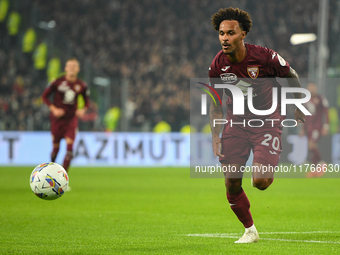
[{"x": 157, "y": 46}]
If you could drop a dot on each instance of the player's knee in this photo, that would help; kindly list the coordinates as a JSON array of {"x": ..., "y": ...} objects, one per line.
[
  {"x": 312, "y": 145},
  {"x": 262, "y": 183},
  {"x": 233, "y": 185}
]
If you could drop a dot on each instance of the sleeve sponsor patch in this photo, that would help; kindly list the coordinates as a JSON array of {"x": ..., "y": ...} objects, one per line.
[{"x": 281, "y": 60}]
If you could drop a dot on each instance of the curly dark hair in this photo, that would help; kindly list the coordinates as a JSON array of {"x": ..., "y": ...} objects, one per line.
[{"x": 231, "y": 13}]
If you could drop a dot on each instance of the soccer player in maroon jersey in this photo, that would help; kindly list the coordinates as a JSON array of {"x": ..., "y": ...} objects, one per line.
[
  {"x": 64, "y": 111},
  {"x": 257, "y": 66},
  {"x": 315, "y": 126}
]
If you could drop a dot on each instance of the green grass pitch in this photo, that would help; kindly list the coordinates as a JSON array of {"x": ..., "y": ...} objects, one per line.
[{"x": 154, "y": 211}]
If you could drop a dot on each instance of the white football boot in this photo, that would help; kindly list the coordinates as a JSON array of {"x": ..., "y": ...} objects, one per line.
[{"x": 250, "y": 236}]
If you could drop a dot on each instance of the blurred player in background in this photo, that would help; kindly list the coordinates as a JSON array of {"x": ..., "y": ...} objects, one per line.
[
  {"x": 255, "y": 64},
  {"x": 64, "y": 112},
  {"x": 316, "y": 125}
]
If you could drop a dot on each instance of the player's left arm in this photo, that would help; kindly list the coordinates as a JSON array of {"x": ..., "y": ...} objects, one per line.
[
  {"x": 278, "y": 67},
  {"x": 325, "y": 106},
  {"x": 86, "y": 95},
  {"x": 294, "y": 82}
]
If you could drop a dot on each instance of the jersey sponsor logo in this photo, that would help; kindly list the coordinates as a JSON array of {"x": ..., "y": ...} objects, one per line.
[
  {"x": 69, "y": 97},
  {"x": 225, "y": 68},
  {"x": 253, "y": 71},
  {"x": 63, "y": 87},
  {"x": 228, "y": 77}
]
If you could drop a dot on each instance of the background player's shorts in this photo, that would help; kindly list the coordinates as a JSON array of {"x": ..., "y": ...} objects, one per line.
[
  {"x": 237, "y": 143},
  {"x": 61, "y": 128},
  {"x": 313, "y": 135}
]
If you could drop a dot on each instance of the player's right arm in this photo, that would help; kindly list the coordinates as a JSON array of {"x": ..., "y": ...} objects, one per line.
[
  {"x": 215, "y": 112},
  {"x": 325, "y": 106},
  {"x": 278, "y": 67},
  {"x": 57, "y": 112},
  {"x": 294, "y": 82}
]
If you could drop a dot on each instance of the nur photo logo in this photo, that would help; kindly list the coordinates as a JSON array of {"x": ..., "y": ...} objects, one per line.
[
  {"x": 242, "y": 94},
  {"x": 204, "y": 97}
]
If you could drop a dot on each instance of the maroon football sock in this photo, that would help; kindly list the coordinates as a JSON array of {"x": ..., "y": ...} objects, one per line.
[
  {"x": 68, "y": 157},
  {"x": 316, "y": 157},
  {"x": 54, "y": 153},
  {"x": 239, "y": 203}
]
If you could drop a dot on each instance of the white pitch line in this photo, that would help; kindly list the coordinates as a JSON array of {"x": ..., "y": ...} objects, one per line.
[
  {"x": 306, "y": 232},
  {"x": 237, "y": 235},
  {"x": 231, "y": 235},
  {"x": 302, "y": 241},
  {"x": 274, "y": 233}
]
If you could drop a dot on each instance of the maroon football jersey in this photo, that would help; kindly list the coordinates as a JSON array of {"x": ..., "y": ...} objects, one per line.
[
  {"x": 318, "y": 107},
  {"x": 258, "y": 70},
  {"x": 65, "y": 95}
]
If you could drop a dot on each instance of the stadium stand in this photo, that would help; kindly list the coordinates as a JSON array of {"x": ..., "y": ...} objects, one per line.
[{"x": 157, "y": 46}]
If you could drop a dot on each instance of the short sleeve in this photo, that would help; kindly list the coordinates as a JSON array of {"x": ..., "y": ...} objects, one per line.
[
  {"x": 324, "y": 102},
  {"x": 214, "y": 78},
  {"x": 212, "y": 70},
  {"x": 52, "y": 84},
  {"x": 276, "y": 65},
  {"x": 50, "y": 88}
]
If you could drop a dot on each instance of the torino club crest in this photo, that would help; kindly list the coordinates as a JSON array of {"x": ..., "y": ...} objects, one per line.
[{"x": 253, "y": 71}]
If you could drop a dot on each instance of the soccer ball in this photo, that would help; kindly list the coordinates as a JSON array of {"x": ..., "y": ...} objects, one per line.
[{"x": 49, "y": 181}]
